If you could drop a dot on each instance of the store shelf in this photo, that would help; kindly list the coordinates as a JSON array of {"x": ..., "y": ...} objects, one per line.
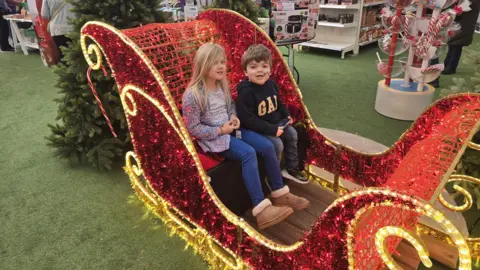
[
  {"x": 373, "y": 4},
  {"x": 368, "y": 42},
  {"x": 340, "y": 6},
  {"x": 371, "y": 27},
  {"x": 328, "y": 35},
  {"x": 329, "y": 45},
  {"x": 341, "y": 25}
]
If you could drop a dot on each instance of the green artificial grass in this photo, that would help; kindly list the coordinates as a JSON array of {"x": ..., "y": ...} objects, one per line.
[{"x": 57, "y": 216}]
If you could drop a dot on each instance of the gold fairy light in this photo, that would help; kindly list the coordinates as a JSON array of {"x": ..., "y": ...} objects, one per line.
[
  {"x": 388, "y": 231},
  {"x": 468, "y": 199}
]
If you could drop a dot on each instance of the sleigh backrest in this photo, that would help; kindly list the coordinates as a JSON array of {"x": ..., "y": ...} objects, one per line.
[{"x": 171, "y": 49}]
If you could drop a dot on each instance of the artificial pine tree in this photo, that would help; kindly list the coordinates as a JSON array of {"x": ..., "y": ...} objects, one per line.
[
  {"x": 247, "y": 8},
  {"x": 82, "y": 133}
]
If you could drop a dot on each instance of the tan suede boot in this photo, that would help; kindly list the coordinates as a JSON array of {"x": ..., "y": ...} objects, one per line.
[
  {"x": 283, "y": 197},
  {"x": 268, "y": 215}
]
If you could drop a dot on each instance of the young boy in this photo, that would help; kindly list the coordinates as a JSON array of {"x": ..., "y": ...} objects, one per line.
[{"x": 260, "y": 109}]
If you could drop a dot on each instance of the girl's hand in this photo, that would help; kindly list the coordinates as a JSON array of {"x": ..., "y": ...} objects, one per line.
[
  {"x": 291, "y": 120},
  {"x": 235, "y": 121},
  {"x": 279, "y": 131},
  {"x": 226, "y": 128}
]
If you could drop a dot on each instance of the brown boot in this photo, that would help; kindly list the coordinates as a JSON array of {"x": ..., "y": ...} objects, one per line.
[
  {"x": 268, "y": 215},
  {"x": 283, "y": 197}
]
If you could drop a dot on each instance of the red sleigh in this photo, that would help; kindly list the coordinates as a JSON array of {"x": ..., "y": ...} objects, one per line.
[{"x": 205, "y": 202}]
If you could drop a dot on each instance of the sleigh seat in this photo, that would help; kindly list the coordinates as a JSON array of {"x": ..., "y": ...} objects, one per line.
[{"x": 206, "y": 206}]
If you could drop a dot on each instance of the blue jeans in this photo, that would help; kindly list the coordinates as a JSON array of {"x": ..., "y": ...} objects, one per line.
[
  {"x": 453, "y": 57},
  {"x": 288, "y": 141},
  {"x": 245, "y": 150}
]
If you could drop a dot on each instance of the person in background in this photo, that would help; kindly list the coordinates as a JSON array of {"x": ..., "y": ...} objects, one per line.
[
  {"x": 463, "y": 37},
  {"x": 5, "y": 9},
  {"x": 58, "y": 12}
]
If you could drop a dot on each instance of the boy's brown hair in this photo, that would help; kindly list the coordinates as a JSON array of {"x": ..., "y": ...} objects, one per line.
[{"x": 256, "y": 53}]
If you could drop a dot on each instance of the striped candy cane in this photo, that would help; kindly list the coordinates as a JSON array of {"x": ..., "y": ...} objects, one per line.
[{"x": 434, "y": 68}]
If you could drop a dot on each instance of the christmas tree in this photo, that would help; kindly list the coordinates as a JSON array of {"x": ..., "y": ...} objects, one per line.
[
  {"x": 81, "y": 132},
  {"x": 247, "y": 8}
]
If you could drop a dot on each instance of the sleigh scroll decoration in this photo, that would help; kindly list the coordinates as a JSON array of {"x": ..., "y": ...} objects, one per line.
[{"x": 192, "y": 194}]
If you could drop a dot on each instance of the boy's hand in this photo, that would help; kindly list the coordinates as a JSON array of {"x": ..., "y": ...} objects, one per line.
[
  {"x": 279, "y": 131},
  {"x": 235, "y": 121}
]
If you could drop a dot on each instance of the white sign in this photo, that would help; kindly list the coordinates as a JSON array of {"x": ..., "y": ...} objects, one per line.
[{"x": 191, "y": 13}]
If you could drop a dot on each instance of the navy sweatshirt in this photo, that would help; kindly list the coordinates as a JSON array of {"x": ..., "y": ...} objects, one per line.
[{"x": 259, "y": 107}]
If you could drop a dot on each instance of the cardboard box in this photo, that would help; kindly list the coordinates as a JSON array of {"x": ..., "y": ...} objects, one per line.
[
  {"x": 291, "y": 25},
  {"x": 286, "y": 5}
]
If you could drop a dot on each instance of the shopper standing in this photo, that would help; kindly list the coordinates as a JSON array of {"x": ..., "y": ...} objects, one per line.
[
  {"x": 463, "y": 37},
  {"x": 58, "y": 12},
  {"x": 4, "y": 26}
]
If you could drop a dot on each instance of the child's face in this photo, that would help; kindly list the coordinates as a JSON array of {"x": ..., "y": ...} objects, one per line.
[
  {"x": 258, "y": 72},
  {"x": 218, "y": 70}
]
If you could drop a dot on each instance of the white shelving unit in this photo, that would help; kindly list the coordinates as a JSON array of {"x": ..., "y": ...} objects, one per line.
[
  {"x": 340, "y": 37},
  {"x": 341, "y": 25}
]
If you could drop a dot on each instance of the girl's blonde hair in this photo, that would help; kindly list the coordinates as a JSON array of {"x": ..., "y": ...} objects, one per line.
[{"x": 204, "y": 60}]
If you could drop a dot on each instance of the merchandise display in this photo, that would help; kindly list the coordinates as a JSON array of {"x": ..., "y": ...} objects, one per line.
[
  {"x": 201, "y": 199},
  {"x": 344, "y": 26},
  {"x": 294, "y": 20}
]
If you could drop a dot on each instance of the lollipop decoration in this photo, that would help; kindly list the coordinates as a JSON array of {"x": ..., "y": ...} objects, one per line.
[
  {"x": 406, "y": 31},
  {"x": 396, "y": 25},
  {"x": 425, "y": 38},
  {"x": 381, "y": 66}
]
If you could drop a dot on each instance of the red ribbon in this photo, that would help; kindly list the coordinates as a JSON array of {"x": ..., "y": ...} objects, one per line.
[
  {"x": 98, "y": 99},
  {"x": 458, "y": 10}
]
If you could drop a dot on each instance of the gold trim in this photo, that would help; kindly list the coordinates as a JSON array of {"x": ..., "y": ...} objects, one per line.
[
  {"x": 340, "y": 190},
  {"x": 467, "y": 196},
  {"x": 133, "y": 112},
  {"x": 193, "y": 234},
  {"x": 474, "y": 145},
  {"x": 414, "y": 240}
]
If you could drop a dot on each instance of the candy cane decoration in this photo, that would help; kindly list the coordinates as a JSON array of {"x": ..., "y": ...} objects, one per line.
[
  {"x": 386, "y": 43},
  {"x": 432, "y": 69}
]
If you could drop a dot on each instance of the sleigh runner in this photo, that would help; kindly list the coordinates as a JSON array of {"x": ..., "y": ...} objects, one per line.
[{"x": 203, "y": 199}]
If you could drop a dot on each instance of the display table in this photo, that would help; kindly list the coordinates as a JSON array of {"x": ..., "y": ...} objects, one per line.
[
  {"x": 291, "y": 58},
  {"x": 18, "y": 35}
]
